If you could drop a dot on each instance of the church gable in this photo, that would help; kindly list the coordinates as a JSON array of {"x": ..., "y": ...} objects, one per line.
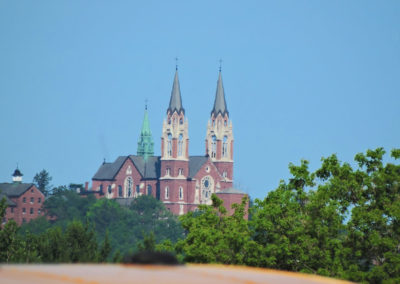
[{"x": 208, "y": 181}]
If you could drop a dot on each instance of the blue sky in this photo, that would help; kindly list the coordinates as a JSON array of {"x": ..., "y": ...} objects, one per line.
[{"x": 303, "y": 79}]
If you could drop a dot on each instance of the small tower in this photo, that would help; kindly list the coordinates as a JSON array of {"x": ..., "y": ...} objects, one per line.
[
  {"x": 175, "y": 138},
  {"x": 145, "y": 143},
  {"x": 17, "y": 176},
  {"x": 219, "y": 138}
]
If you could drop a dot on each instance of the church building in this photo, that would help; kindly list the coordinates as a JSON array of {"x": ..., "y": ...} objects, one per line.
[{"x": 179, "y": 180}]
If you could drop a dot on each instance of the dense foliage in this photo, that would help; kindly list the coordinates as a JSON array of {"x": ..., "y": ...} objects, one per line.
[
  {"x": 337, "y": 221},
  {"x": 84, "y": 229}
]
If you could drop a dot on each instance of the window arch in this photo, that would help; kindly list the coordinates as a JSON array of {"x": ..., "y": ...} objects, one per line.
[
  {"x": 128, "y": 186},
  {"x": 109, "y": 189},
  {"x": 120, "y": 191},
  {"x": 180, "y": 193},
  {"x": 225, "y": 147},
  {"x": 180, "y": 145},
  {"x": 169, "y": 145},
  {"x": 166, "y": 192},
  {"x": 149, "y": 189},
  {"x": 213, "y": 146}
]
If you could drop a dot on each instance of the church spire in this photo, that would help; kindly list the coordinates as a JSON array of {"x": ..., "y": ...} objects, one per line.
[
  {"x": 145, "y": 143},
  {"x": 175, "y": 102},
  {"x": 219, "y": 102}
]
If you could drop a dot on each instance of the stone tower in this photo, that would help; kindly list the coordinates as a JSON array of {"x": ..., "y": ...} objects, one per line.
[
  {"x": 174, "y": 151},
  {"x": 219, "y": 138}
]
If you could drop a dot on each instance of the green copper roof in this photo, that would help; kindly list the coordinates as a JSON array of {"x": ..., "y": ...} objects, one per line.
[{"x": 145, "y": 143}]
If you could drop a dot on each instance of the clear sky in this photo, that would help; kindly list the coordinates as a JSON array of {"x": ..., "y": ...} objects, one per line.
[{"x": 303, "y": 79}]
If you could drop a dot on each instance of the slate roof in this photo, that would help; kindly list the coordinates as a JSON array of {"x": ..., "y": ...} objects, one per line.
[
  {"x": 219, "y": 102},
  {"x": 195, "y": 164},
  {"x": 9, "y": 202},
  {"x": 175, "y": 102},
  {"x": 14, "y": 189},
  {"x": 149, "y": 169},
  {"x": 231, "y": 190},
  {"x": 108, "y": 171}
]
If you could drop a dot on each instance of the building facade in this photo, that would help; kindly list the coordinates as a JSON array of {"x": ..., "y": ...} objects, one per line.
[
  {"x": 24, "y": 200},
  {"x": 179, "y": 180}
]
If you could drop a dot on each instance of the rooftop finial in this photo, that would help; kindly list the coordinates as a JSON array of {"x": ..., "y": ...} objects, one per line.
[
  {"x": 220, "y": 65},
  {"x": 176, "y": 63},
  {"x": 145, "y": 103}
]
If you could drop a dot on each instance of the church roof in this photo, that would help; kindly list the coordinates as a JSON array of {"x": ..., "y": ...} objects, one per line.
[
  {"x": 219, "y": 102},
  {"x": 175, "y": 102},
  {"x": 231, "y": 190},
  {"x": 14, "y": 189},
  {"x": 148, "y": 169},
  {"x": 195, "y": 164},
  {"x": 108, "y": 171}
]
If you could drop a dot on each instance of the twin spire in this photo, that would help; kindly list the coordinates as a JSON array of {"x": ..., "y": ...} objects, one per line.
[
  {"x": 146, "y": 144},
  {"x": 175, "y": 102}
]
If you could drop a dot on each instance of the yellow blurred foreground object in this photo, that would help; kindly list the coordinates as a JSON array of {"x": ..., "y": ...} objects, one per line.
[{"x": 115, "y": 273}]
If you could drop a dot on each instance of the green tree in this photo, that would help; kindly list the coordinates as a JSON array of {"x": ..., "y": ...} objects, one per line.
[
  {"x": 336, "y": 221},
  {"x": 214, "y": 237},
  {"x": 42, "y": 181}
]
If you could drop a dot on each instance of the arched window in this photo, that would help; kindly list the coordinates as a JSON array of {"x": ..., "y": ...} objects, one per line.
[
  {"x": 149, "y": 189},
  {"x": 214, "y": 147},
  {"x": 225, "y": 147},
  {"x": 180, "y": 145},
  {"x": 169, "y": 145},
  {"x": 225, "y": 122},
  {"x": 225, "y": 174},
  {"x": 128, "y": 187},
  {"x": 181, "y": 121},
  {"x": 101, "y": 190},
  {"x": 109, "y": 189},
  {"x": 120, "y": 191},
  {"x": 180, "y": 193},
  {"x": 167, "y": 192}
]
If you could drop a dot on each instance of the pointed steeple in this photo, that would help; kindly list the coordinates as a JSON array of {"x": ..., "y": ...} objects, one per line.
[
  {"x": 145, "y": 143},
  {"x": 175, "y": 103},
  {"x": 220, "y": 103}
]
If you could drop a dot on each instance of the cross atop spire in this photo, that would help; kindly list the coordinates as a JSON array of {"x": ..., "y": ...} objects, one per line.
[
  {"x": 219, "y": 102},
  {"x": 175, "y": 102}
]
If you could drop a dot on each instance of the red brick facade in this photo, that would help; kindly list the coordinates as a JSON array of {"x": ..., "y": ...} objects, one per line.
[
  {"x": 23, "y": 206},
  {"x": 180, "y": 181}
]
